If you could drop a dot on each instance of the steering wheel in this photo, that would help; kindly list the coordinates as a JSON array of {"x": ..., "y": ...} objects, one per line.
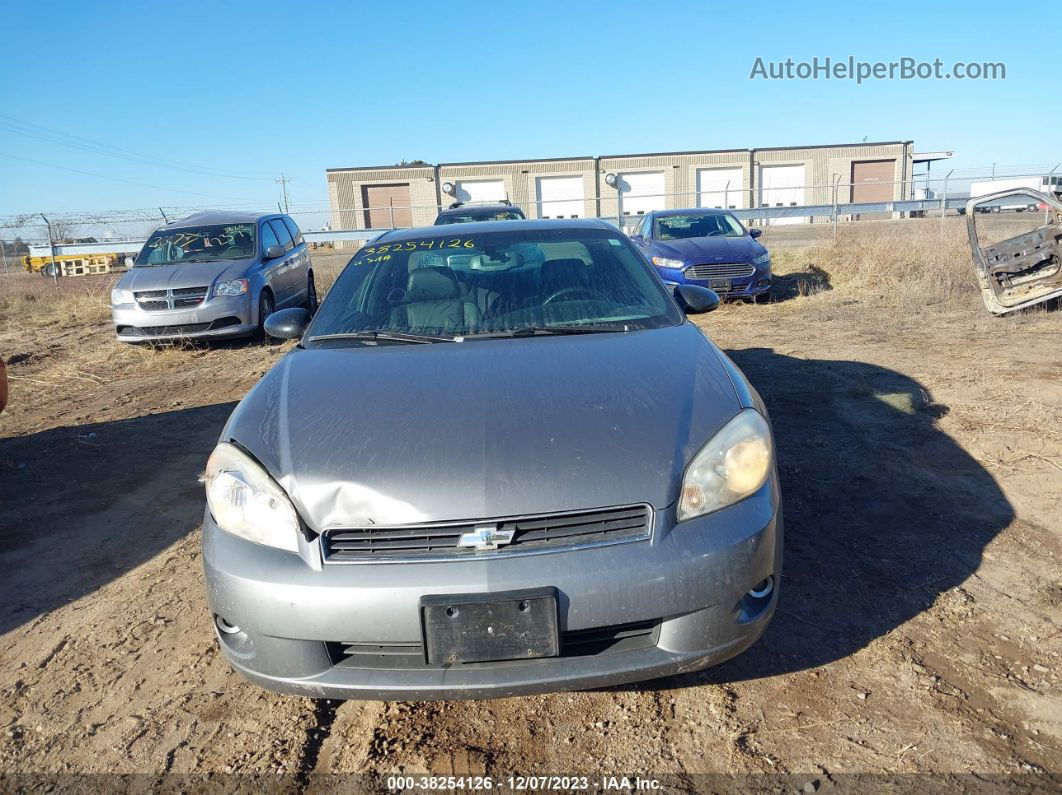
[{"x": 591, "y": 294}]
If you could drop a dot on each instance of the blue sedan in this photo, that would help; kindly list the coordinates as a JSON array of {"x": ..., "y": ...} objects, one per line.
[{"x": 706, "y": 247}]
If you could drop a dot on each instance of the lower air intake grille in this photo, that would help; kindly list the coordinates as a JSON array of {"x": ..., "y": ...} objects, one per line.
[
  {"x": 457, "y": 539},
  {"x": 575, "y": 643}
]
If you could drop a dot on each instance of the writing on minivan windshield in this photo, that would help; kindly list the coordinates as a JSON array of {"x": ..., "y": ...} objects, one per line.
[
  {"x": 494, "y": 284},
  {"x": 198, "y": 244}
]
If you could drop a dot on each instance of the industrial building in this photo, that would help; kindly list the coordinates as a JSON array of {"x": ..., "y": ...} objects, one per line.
[{"x": 575, "y": 187}]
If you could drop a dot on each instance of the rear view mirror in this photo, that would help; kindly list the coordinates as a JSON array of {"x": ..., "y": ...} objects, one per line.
[
  {"x": 694, "y": 300},
  {"x": 755, "y": 233},
  {"x": 288, "y": 324},
  {"x": 274, "y": 251}
]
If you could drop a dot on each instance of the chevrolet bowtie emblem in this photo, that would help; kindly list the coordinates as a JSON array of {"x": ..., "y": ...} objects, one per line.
[{"x": 485, "y": 537}]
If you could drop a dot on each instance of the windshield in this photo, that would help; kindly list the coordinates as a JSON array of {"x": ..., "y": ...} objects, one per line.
[
  {"x": 198, "y": 244},
  {"x": 680, "y": 227},
  {"x": 472, "y": 216},
  {"x": 496, "y": 283}
]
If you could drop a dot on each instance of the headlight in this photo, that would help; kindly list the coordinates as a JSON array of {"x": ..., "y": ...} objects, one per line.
[
  {"x": 664, "y": 262},
  {"x": 120, "y": 296},
  {"x": 763, "y": 259},
  {"x": 246, "y": 502},
  {"x": 235, "y": 287},
  {"x": 733, "y": 465}
]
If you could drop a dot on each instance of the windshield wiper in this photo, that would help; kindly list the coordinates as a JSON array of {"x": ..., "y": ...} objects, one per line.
[
  {"x": 530, "y": 331},
  {"x": 375, "y": 336},
  {"x": 199, "y": 259}
]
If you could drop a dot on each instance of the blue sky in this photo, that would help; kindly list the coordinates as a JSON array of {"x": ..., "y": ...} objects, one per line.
[{"x": 233, "y": 94}]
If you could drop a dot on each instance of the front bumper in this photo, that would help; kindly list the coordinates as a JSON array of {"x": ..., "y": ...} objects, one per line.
[
  {"x": 743, "y": 287},
  {"x": 692, "y": 580},
  {"x": 222, "y": 316}
]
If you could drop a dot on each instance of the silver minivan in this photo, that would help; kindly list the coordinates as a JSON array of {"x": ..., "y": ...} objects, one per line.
[{"x": 213, "y": 274}]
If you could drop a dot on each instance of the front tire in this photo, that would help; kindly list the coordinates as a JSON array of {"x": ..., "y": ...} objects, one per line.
[
  {"x": 311, "y": 295},
  {"x": 266, "y": 305}
]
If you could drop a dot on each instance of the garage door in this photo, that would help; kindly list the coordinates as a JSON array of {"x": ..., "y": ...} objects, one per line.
[
  {"x": 560, "y": 197},
  {"x": 872, "y": 180},
  {"x": 720, "y": 187},
  {"x": 643, "y": 192},
  {"x": 384, "y": 203},
  {"x": 782, "y": 186},
  {"x": 480, "y": 190}
]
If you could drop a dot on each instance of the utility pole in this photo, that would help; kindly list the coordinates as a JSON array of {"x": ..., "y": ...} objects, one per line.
[{"x": 283, "y": 181}]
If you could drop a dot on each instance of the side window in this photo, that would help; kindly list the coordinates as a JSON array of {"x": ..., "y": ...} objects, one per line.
[
  {"x": 294, "y": 229},
  {"x": 647, "y": 227},
  {"x": 269, "y": 237},
  {"x": 282, "y": 233}
]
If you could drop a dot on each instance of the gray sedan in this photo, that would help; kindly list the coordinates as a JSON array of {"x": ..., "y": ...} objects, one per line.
[
  {"x": 213, "y": 274},
  {"x": 499, "y": 461}
]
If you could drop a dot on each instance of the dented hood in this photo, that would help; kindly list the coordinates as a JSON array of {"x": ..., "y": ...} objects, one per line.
[{"x": 485, "y": 428}]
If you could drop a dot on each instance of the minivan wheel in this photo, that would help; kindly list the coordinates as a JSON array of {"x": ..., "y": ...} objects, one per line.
[
  {"x": 311, "y": 295},
  {"x": 266, "y": 305}
]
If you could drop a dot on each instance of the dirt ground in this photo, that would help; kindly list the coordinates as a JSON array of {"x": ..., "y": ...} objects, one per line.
[{"x": 920, "y": 623}]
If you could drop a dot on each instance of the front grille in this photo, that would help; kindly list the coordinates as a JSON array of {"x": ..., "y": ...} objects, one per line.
[
  {"x": 177, "y": 330},
  {"x": 179, "y": 298},
  {"x": 720, "y": 270},
  {"x": 574, "y": 643},
  {"x": 529, "y": 533}
]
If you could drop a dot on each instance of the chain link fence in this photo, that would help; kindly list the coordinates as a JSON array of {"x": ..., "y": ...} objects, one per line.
[{"x": 99, "y": 242}]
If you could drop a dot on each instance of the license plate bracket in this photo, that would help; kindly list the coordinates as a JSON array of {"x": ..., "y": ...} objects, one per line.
[
  {"x": 490, "y": 627},
  {"x": 723, "y": 285}
]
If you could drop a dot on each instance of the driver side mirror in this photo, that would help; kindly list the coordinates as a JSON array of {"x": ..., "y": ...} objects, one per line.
[
  {"x": 274, "y": 251},
  {"x": 288, "y": 324},
  {"x": 755, "y": 233},
  {"x": 695, "y": 300}
]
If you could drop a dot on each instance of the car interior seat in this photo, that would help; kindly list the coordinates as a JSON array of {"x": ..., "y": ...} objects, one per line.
[{"x": 434, "y": 300}]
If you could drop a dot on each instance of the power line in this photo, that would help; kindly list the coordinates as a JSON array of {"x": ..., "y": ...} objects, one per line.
[
  {"x": 114, "y": 179},
  {"x": 46, "y": 134}
]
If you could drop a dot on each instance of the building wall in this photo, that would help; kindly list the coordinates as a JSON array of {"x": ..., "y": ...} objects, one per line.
[{"x": 822, "y": 166}]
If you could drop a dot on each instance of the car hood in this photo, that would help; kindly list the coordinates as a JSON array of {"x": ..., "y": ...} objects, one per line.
[
  {"x": 709, "y": 249},
  {"x": 489, "y": 428},
  {"x": 194, "y": 274}
]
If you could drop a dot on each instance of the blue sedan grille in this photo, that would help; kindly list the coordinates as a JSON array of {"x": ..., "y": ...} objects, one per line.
[{"x": 720, "y": 270}]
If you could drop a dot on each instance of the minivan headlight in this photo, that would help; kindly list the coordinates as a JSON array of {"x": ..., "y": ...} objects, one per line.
[
  {"x": 763, "y": 259},
  {"x": 733, "y": 465},
  {"x": 664, "y": 262},
  {"x": 234, "y": 287},
  {"x": 245, "y": 501},
  {"x": 120, "y": 295}
]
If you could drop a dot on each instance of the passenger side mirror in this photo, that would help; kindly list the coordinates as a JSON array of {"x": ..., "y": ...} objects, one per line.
[
  {"x": 288, "y": 324},
  {"x": 755, "y": 233},
  {"x": 274, "y": 251},
  {"x": 128, "y": 261},
  {"x": 694, "y": 300}
]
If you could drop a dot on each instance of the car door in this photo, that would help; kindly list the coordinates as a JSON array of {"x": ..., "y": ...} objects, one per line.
[
  {"x": 300, "y": 265},
  {"x": 272, "y": 273},
  {"x": 1022, "y": 270},
  {"x": 285, "y": 280}
]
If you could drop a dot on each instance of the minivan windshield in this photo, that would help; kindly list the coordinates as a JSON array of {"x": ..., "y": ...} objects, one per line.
[
  {"x": 496, "y": 284},
  {"x": 680, "y": 227},
  {"x": 198, "y": 244}
]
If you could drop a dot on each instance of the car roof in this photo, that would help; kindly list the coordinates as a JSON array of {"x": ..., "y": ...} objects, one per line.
[
  {"x": 464, "y": 208},
  {"x": 525, "y": 225},
  {"x": 691, "y": 211},
  {"x": 211, "y": 217}
]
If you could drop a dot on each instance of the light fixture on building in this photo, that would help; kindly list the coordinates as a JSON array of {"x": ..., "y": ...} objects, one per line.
[
  {"x": 610, "y": 180},
  {"x": 448, "y": 188}
]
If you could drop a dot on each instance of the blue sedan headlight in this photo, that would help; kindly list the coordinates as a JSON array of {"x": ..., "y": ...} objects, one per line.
[
  {"x": 763, "y": 259},
  {"x": 664, "y": 262}
]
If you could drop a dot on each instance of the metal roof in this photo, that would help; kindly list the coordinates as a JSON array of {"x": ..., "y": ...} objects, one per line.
[{"x": 930, "y": 157}]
